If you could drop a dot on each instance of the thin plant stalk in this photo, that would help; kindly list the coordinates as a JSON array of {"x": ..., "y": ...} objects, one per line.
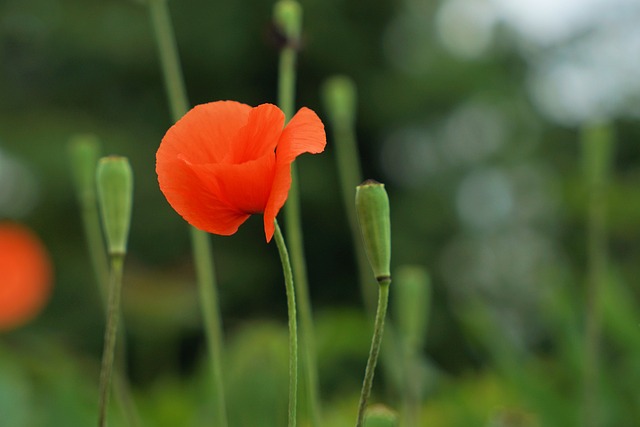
[
  {"x": 84, "y": 153},
  {"x": 110, "y": 335},
  {"x": 598, "y": 142},
  {"x": 293, "y": 227},
  {"x": 339, "y": 93},
  {"x": 378, "y": 330},
  {"x": 350, "y": 176},
  {"x": 200, "y": 242},
  {"x": 95, "y": 243},
  {"x": 293, "y": 324}
]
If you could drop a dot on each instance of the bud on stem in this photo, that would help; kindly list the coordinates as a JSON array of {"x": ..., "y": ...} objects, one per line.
[
  {"x": 287, "y": 17},
  {"x": 84, "y": 151},
  {"x": 339, "y": 96},
  {"x": 380, "y": 416},
  {"x": 115, "y": 190},
  {"x": 372, "y": 206}
]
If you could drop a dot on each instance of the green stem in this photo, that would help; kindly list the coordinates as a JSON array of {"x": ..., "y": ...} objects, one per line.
[
  {"x": 176, "y": 92},
  {"x": 110, "y": 334},
  {"x": 287, "y": 81},
  {"x": 598, "y": 148},
  {"x": 383, "y": 299},
  {"x": 95, "y": 243},
  {"x": 168, "y": 50},
  {"x": 211, "y": 312},
  {"x": 293, "y": 324},
  {"x": 293, "y": 226},
  {"x": 350, "y": 174}
]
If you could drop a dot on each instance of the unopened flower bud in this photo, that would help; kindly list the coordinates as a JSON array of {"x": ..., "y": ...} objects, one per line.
[
  {"x": 372, "y": 206},
  {"x": 84, "y": 151},
  {"x": 115, "y": 191},
  {"x": 380, "y": 416},
  {"x": 339, "y": 96},
  {"x": 287, "y": 17}
]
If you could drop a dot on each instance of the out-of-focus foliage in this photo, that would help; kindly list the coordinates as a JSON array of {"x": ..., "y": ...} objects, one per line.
[{"x": 470, "y": 113}]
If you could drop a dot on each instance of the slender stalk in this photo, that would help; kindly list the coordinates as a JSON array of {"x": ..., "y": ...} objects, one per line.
[
  {"x": 383, "y": 299},
  {"x": 168, "y": 50},
  {"x": 84, "y": 153},
  {"x": 598, "y": 142},
  {"x": 339, "y": 95},
  {"x": 95, "y": 244},
  {"x": 211, "y": 312},
  {"x": 201, "y": 246},
  {"x": 293, "y": 226},
  {"x": 110, "y": 334},
  {"x": 293, "y": 324},
  {"x": 287, "y": 80}
]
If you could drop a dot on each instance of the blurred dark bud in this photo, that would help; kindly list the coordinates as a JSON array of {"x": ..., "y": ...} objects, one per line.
[{"x": 287, "y": 24}]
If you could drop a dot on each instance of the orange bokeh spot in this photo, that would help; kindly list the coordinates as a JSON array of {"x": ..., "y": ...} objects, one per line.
[
  {"x": 25, "y": 275},
  {"x": 225, "y": 161}
]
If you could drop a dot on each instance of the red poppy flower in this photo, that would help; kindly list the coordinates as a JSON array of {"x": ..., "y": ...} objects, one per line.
[
  {"x": 25, "y": 275},
  {"x": 224, "y": 161}
]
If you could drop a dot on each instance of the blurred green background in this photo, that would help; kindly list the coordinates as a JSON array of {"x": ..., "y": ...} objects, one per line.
[{"x": 470, "y": 111}]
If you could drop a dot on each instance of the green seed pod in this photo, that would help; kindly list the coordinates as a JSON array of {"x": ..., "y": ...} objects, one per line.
[
  {"x": 115, "y": 191},
  {"x": 84, "y": 151},
  {"x": 287, "y": 16},
  {"x": 412, "y": 305},
  {"x": 380, "y": 416},
  {"x": 372, "y": 207},
  {"x": 339, "y": 96}
]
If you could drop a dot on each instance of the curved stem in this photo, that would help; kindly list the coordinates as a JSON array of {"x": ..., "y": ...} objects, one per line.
[
  {"x": 293, "y": 325},
  {"x": 383, "y": 299},
  {"x": 293, "y": 225},
  {"x": 110, "y": 334}
]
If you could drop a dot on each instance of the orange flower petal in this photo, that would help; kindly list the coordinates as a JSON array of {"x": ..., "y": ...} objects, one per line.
[
  {"x": 245, "y": 186},
  {"x": 224, "y": 161},
  {"x": 259, "y": 136},
  {"x": 277, "y": 198},
  {"x": 196, "y": 198},
  {"x": 303, "y": 134},
  {"x": 206, "y": 133},
  {"x": 25, "y": 275}
]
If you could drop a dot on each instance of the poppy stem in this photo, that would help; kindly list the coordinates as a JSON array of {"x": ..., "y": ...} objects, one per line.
[
  {"x": 110, "y": 335},
  {"x": 293, "y": 324},
  {"x": 170, "y": 61},
  {"x": 339, "y": 95},
  {"x": 378, "y": 329},
  {"x": 340, "y": 98},
  {"x": 598, "y": 143},
  {"x": 203, "y": 257},
  {"x": 84, "y": 152},
  {"x": 288, "y": 19}
]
